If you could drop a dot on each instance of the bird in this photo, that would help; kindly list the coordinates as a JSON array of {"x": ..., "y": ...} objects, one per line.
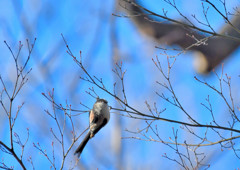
[{"x": 99, "y": 116}]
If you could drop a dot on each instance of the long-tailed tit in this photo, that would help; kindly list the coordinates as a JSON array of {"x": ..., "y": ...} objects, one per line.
[{"x": 98, "y": 117}]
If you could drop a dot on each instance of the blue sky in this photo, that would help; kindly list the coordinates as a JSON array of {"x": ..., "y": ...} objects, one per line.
[{"x": 87, "y": 26}]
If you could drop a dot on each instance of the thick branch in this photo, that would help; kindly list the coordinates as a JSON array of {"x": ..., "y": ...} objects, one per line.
[
  {"x": 176, "y": 32},
  {"x": 14, "y": 155}
]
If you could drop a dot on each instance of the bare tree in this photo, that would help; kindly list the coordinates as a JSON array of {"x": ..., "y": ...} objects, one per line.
[
  {"x": 185, "y": 33},
  {"x": 225, "y": 133},
  {"x": 7, "y": 99},
  {"x": 151, "y": 112}
]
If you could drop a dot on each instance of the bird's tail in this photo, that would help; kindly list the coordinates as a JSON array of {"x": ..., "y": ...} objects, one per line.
[{"x": 82, "y": 145}]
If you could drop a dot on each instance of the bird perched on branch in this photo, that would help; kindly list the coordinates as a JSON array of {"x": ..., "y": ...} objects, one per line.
[{"x": 98, "y": 118}]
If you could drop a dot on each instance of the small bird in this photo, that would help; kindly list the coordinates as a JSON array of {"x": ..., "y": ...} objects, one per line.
[{"x": 98, "y": 118}]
